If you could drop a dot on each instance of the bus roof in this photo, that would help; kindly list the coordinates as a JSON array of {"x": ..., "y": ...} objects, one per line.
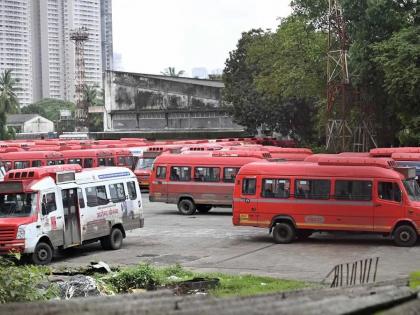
[
  {"x": 31, "y": 155},
  {"x": 33, "y": 173},
  {"x": 388, "y": 151},
  {"x": 406, "y": 156},
  {"x": 185, "y": 160},
  {"x": 308, "y": 169},
  {"x": 87, "y": 153}
]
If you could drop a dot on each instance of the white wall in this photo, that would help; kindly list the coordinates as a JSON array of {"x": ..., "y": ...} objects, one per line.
[{"x": 38, "y": 124}]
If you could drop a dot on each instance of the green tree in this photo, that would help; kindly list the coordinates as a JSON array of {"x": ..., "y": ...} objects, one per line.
[
  {"x": 9, "y": 103},
  {"x": 172, "y": 72}
]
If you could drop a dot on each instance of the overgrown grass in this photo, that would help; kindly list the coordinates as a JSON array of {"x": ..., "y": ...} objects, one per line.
[
  {"x": 145, "y": 276},
  {"x": 24, "y": 283},
  {"x": 415, "y": 280}
]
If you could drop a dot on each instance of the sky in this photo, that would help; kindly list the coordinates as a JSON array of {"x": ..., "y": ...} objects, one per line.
[{"x": 150, "y": 36}]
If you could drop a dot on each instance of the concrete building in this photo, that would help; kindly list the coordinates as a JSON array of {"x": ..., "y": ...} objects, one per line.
[
  {"x": 154, "y": 103},
  {"x": 35, "y": 44},
  {"x": 29, "y": 123},
  {"x": 15, "y": 45}
]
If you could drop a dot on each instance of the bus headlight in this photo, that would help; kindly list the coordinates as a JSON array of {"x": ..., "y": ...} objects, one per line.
[{"x": 21, "y": 232}]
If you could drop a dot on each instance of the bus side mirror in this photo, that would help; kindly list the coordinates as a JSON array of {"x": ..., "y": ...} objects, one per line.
[{"x": 44, "y": 208}]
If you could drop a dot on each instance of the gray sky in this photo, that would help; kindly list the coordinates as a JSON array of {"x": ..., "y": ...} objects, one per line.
[{"x": 152, "y": 35}]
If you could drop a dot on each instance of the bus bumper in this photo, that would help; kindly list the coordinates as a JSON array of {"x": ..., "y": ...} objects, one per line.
[{"x": 6, "y": 247}]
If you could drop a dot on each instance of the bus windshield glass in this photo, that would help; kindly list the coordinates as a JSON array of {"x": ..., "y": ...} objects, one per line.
[
  {"x": 17, "y": 204},
  {"x": 145, "y": 163},
  {"x": 413, "y": 189}
]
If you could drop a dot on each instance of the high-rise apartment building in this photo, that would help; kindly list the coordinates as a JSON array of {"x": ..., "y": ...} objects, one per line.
[
  {"x": 15, "y": 45},
  {"x": 44, "y": 62}
]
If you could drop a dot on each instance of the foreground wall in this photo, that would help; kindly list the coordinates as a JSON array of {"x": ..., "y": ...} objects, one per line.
[{"x": 153, "y": 102}]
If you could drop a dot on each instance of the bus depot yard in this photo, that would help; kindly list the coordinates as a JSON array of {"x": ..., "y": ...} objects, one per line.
[{"x": 232, "y": 215}]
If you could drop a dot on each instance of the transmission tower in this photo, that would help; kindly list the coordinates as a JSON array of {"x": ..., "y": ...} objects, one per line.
[
  {"x": 347, "y": 126},
  {"x": 80, "y": 36}
]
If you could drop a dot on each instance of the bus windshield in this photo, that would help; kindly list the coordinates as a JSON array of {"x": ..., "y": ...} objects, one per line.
[
  {"x": 413, "y": 189},
  {"x": 17, "y": 205},
  {"x": 145, "y": 163}
]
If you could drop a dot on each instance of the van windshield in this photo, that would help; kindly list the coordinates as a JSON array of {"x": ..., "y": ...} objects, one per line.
[
  {"x": 17, "y": 205},
  {"x": 413, "y": 189},
  {"x": 145, "y": 163}
]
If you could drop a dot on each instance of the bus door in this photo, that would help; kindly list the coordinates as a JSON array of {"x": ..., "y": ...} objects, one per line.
[
  {"x": 71, "y": 217},
  {"x": 161, "y": 183},
  {"x": 51, "y": 218},
  {"x": 388, "y": 205},
  {"x": 248, "y": 203}
]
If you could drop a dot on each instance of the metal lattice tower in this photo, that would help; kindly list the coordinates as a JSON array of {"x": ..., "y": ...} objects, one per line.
[
  {"x": 80, "y": 36},
  {"x": 347, "y": 126}
]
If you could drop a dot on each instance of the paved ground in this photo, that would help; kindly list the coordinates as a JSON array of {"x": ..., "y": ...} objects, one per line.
[{"x": 211, "y": 243}]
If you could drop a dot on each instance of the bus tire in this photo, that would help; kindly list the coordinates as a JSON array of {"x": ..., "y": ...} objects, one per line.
[
  {"x": 284, "y": 233},
  {"x": 113, "y": 241},
  {"x": 42, "y": 254},
  {"x": 203, "y": 208},
  {"x": 405, "y": 236},
  {"x": 186, "y": 207}
]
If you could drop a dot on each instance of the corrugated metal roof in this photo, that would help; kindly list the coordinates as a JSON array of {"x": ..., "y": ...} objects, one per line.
[{"x": 20, "y": 118}]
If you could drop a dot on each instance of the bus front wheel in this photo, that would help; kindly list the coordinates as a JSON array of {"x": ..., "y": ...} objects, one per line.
[
  {"x": 405, "y": 236},
  {"x": 113, "y": 241},
  {"x": 284, "y": 233},
  {"x": 186, "y": 207},
  {"x": 42, "y": 255}
]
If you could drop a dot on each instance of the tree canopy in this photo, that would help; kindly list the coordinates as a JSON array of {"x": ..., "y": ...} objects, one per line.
[
  {"x": 172, "y": 72},
  {"x": 9, "y": 103}
]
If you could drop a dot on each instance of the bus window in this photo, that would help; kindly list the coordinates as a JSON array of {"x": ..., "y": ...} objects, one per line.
[
  {"x": 59, "y": 162},
  {"x": 249, "y": 186},
  {"x": 181, "y": 173},
  {"x": 121, "y": 161},
  {"x": 88, "y": 163},
  {"x": 101, "y": 162},
  {"x": 117, "y": 192},
  {"x": 21, "y": 164},
  {"x": 7, "y": 166},
  {"x": 131, "y": 187},
  {"x": 207, "y": 174},
  {"x": 48, "y": 203},
  {"x": 389, "y": 191},
  {"x": 229, "y": 174},
  {"x": 75, "y": 161},
  {"x": 312, "y": 188},
  {"x": 81, "y": 199},
  {"x": 161, "y": 172},
  {"x": 36, "y": 163},
  {"x": 129, "y": 161},
  {"x": 50, "y": 162},
  {"x": 110, "y": 162},
  {"x": 275, "y": 188},
  {"x": 353, "y": 190}
]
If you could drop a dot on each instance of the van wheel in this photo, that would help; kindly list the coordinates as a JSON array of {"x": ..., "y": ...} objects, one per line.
[
  {"x": 113, "y": 241},
  {"x": 405, "y": 235},
  {"x": 284, "y": 233},
  {"x": 186, "y": 207},
  {"x": 42, "y": 255},
  {"x": 203, "y": 208}
]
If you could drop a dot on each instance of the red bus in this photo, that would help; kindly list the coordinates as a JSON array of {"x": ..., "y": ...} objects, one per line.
[
  {"x": 89, "y": 158},
  {"x": 18, "y": 160},
  {"x": 123, "y": 157},
  {"x": 387, "y": 152},
  {"x": 295, "y": 199},
  {"x": 408, "y": 160},
  {"x": 196, "y": 182}
]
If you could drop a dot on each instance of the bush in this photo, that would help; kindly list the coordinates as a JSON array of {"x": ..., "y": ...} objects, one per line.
[{"x": 24, "y": 283}]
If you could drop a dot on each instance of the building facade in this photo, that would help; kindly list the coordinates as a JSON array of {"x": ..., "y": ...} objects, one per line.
[
  {"x": 15, "y": 45},
  {"x": 144, "y": 102},
  {"x": 29, "y": 123},
  {"x": 35, "y": 44}
]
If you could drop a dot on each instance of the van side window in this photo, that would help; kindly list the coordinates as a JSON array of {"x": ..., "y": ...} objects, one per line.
[
  {"x": 206, "y": 174},
  {"x": 389, "y": 191},
  {"x": 48, "y": 201},
  {"x": 181, "y": 173},
  {"x": 88, "y": 163},
  {"x": 96, "y": 196},
  {"x": 249, "y": 186},
  {"x": 117, "y": 192},
  {"x": 110, "y": 162},
  {"x": 36, "y": 163},
  {"x": 101, "y": 161},
  {"x": 80, "y": 198},
  {"x": 312, "y": 188},
  {"x": 161, "y": 172},
  {"x": 275, "y": 188},
  {"x": 229, "y": 174},
  {"x": 353, "y": 190},
  {"x": 75, "y": 161},
  {"x": 121, "y": 160},
  {"x": 132, "y": 193}
]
